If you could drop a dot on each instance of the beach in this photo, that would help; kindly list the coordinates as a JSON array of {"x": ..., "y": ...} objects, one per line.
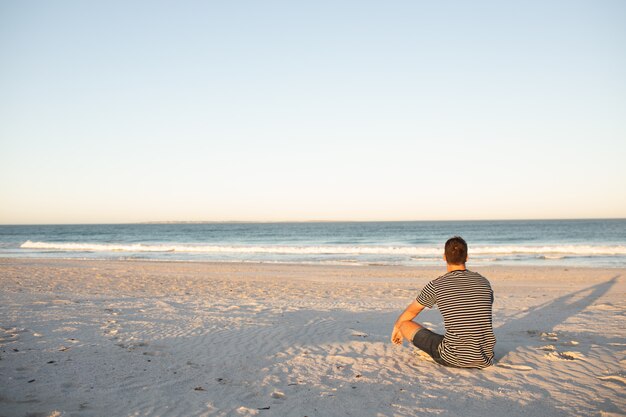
[{"x": 151, "y": 338}]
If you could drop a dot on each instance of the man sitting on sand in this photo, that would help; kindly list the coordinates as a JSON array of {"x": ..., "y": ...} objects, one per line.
[{"x": 465, "y": 299}]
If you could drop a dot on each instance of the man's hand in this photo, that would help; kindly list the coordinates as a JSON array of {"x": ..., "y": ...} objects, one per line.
[
  {"x": 405, "y": 321},
  {"x": 396, "y": 336}
]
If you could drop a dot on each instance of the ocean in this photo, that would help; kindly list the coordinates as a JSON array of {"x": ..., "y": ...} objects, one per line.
[{"x": 536, "y": 242}]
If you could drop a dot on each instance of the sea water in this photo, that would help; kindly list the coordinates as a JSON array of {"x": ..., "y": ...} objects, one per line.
[{"x": 536, "y": 242}]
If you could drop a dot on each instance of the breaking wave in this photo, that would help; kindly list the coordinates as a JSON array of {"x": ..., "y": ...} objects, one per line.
[{"x": 547, "y": 251}]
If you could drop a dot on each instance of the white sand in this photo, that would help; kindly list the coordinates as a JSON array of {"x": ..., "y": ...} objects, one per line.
[{"x": 99, "y": 338}]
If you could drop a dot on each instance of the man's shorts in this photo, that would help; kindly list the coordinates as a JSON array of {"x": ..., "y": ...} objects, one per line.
[{"x": 429, "y": 342}]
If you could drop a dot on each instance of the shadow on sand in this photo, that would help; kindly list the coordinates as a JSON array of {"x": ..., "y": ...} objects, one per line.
[{"x": 547, "y": 315}]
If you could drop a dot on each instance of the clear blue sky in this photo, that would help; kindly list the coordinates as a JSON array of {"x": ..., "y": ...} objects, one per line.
[{"x": 124, "y": 111}]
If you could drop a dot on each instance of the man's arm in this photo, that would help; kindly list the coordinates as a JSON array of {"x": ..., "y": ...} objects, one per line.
[{"x": 405, "y": 326}]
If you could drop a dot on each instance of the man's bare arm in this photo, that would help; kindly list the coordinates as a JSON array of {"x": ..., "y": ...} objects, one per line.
[{"x": 405, "y": 326}]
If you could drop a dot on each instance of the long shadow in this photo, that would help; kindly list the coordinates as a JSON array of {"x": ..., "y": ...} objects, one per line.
[{"x": 547, "y": 316}]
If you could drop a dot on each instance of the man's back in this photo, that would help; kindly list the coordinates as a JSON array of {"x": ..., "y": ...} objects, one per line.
[{"x": 465, "y": 300}]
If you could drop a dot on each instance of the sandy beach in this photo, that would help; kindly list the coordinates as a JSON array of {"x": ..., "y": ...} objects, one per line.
[{"x": 130, "y": 338}]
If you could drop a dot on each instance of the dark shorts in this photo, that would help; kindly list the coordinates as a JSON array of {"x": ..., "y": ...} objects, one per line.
[{"x": 429, "y": 342}]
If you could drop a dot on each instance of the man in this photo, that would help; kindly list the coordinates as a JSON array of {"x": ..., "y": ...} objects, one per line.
[{"x": 465, "y": 300}]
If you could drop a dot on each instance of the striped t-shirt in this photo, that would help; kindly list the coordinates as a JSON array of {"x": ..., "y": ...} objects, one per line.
[{"x": 465, "y": 299}]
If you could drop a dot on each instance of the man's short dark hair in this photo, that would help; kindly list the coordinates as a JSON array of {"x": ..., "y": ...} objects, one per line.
[{"x": 456, "y": 251}]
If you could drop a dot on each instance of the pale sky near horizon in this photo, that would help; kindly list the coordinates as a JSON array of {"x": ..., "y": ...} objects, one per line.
[{"x": 130, "y": 111}]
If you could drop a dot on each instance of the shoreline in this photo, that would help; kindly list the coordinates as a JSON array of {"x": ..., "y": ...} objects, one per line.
[
  {"x": 329, "y": 264},
  {"x": 314, "y": 272}
]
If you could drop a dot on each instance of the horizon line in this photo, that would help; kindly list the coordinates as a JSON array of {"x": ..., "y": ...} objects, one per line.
[{"x": 308, "y": 221}]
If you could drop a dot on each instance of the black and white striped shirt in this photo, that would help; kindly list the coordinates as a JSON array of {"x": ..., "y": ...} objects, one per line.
[{"x": 465, "y": 299}]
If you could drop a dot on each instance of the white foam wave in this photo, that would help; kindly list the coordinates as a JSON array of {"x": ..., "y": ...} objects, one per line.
[{"x": 415, "y": 251}]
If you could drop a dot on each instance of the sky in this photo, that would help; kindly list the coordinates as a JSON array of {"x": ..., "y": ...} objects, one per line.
[{"x": 133, "y": 111}]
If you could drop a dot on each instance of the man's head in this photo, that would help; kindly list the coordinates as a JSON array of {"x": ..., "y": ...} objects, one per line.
[{"x": 456, "y": 251}]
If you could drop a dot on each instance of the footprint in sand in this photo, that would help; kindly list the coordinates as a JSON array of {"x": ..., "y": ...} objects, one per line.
[
  {"x": 613, "y": 378},
  {"x": 568, "y": 356},
  {"x": 423, "y": 355},
  {"x": 602, "y": 307},
  {"x": 278, "y": 395},
  {"x": 154, "y": 353},
  {"x": 516, "y": 367},
  {"x": 8, "y": 338},
  {"x": 245, "y": 411},
  {"x": 547, "y": 348},
  {"x": 111, "y": 329},
  {"x": 356, "y": 333},
  {"x": 549, "y": 336},
  {"x": 609, "y": 414}
]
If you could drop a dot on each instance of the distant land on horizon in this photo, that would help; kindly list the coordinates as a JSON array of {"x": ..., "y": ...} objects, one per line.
[
  {"x": 312, "y": 221},
  {"x": 367, "y": 221}
]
